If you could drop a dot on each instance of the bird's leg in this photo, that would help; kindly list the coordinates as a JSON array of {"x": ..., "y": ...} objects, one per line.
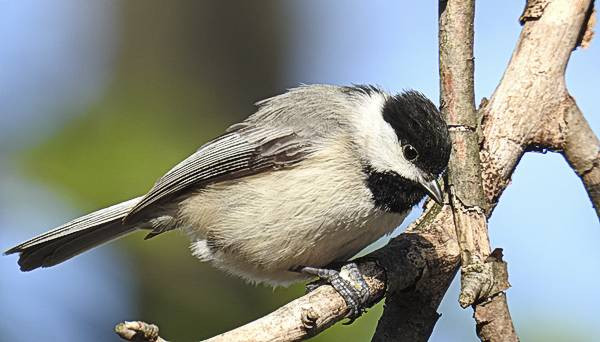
[{"x": 348, "y": 282}]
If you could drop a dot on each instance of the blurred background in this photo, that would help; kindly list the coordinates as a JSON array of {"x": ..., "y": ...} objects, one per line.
[{"x": 99, "y": 99}]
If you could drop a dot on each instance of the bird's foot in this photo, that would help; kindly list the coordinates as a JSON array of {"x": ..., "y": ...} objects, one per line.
[{"x": 348, "y": 282}]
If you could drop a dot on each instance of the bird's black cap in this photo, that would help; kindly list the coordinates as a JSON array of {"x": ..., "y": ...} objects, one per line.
[{"x": 419, "y": 123}]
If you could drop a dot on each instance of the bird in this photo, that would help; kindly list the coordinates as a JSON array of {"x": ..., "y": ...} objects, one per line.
[{"x": 307, "y": 181}]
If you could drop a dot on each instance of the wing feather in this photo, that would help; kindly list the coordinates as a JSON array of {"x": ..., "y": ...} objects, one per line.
[{"x": 240, "y": 152}]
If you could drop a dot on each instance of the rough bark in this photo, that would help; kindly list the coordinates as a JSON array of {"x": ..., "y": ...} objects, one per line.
[
  {"x": 410, "y": 312},
  {"x": 529, "y": 110},
  {"x": 478, "y": 274},
  {"x": 530, "y": 105}
]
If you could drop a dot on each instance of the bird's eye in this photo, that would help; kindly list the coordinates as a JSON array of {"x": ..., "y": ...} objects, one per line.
[{"x": 410, "y": 153}]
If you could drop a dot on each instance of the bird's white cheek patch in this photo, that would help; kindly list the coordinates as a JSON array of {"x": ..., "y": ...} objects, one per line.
[{"x": 382, "y": 147}]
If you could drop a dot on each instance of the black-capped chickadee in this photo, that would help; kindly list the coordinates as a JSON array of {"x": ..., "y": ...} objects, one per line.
[{"x": 310, "y": 179}]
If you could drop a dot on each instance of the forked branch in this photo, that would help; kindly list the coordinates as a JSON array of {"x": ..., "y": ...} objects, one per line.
[{"x": 530, "y": 109}]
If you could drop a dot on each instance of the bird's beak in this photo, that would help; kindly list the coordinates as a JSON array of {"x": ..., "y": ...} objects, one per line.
[{"x": 433, "y": 189}]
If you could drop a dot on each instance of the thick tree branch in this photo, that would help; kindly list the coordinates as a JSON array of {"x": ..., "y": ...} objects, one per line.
[
  {"x": 524, "y": 113},
  {"x": 411, "y": 311},
  {"x": 478, "y": 274}
]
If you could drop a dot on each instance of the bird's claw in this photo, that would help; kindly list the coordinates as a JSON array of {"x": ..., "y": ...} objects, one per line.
[{"x": 348, "y": 282}]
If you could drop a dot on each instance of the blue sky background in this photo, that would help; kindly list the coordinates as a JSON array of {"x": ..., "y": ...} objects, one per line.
[{"x": 544, "y": 221}]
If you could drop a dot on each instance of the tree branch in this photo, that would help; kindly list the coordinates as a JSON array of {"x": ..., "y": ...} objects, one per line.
[
  {"x": 568, "y": 131},
  {"x": 419, "y": 265},
  {"x": 478, "y": 274},
  {"x": 581, "y": 148},
  {"x": 411, "y": 311},
  {"x": 526, "y": 112},
  {"x": 422, "y": 253},
  {"x": 310, "y": 314}
]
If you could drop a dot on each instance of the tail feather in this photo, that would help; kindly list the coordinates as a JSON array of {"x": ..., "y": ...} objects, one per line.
[{"x": 75, "y": 237}]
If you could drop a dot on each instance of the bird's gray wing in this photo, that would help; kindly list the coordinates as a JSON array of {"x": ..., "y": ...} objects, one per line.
[{"x": 244, "y": 150}]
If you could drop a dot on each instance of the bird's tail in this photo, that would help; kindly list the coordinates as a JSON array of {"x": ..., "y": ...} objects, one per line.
[{"x": 75, "y": 237}]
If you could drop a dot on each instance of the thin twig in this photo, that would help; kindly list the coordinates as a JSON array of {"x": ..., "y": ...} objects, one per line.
[{"x": 582, "y": 151}]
